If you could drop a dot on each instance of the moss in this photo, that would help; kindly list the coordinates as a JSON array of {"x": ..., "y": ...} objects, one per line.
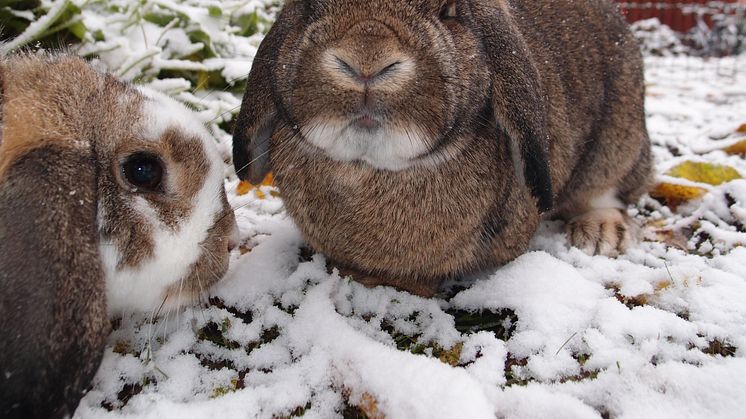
[
  {"x": 221, "y": 391},
  {"x": 215, "y": 333},
  {"x": 267, "y": 336},
  {"x": 511, "y": 376},
  {"x": 501, "y": 323},
  {"x": 245, "y": 317},
  {"x": 296, "y": 413},
  {"x": 353, "y": 412}
]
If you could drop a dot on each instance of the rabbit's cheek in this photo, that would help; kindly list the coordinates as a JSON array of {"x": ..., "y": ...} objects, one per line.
[
  {"x": 206, "y": 271},
  {"x": 175, "y": 254},
  {"x": 211, "y": 264}
]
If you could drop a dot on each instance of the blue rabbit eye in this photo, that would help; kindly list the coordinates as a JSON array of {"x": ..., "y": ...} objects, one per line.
[{"x": 144, "y": 172}]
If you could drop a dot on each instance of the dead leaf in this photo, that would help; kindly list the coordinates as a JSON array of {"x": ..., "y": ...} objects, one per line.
[
  {"x": 710, "y": 173},
  {"x": 676, "y": 195},
  {"x": 671, "y": 238},
  {"x": 269, "y": 180},
  {"x": 245, "y": 187},
  {"x": 741, "y": 129},
  {"x": 737, "y": 148},
  {"x": 452, "y": 356},
  {"x": 369, "y": 405}
]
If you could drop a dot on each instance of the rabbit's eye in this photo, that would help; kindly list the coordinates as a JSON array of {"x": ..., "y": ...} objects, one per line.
[
  {"x": 144, "y": 172},
  {"x": 448, "y": 10}
]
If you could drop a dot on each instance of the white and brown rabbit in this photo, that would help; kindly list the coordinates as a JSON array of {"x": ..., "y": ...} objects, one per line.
[
  {"x": 417, "y": 140},
  {"x": 111, "y": 200}
]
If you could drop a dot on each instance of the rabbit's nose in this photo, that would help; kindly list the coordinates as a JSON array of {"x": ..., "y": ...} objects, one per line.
[
  {"x": 368, "y": 59},
  {"x": 367, "y": 75}
]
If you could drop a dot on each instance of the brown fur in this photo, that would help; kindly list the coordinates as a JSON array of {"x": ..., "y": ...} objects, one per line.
[
  {"x": 66, "y": 129},
  {"x": 29, "y": 119},
  {"x": 52, "y": 309},
  {"x": 558, "y": 81}
]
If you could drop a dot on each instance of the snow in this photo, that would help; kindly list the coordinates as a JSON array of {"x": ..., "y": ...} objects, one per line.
[
  {"x": 36, "y": 27},
  {"x": 635, "y": 336},
  {"x": 657, "y": 39},
  {"x": 658, "y": 332}
]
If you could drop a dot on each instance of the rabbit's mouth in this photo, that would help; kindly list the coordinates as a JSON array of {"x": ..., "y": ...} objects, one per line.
[
  {"x": 365, "y": 138},
  {"x": 366, "y": 122}
]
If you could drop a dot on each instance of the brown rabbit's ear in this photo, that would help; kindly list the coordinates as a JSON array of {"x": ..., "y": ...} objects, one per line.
[
  {"x": 517, "y": 95},
  {"x": 260, "y": 110},
  {"x": 257, "y": 120},
  {"x": 53, "y": 304},
  {"x": 2, "y": 97}
]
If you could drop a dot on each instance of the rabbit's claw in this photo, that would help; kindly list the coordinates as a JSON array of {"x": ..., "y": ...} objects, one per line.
[{"x": 604, "y": 232}]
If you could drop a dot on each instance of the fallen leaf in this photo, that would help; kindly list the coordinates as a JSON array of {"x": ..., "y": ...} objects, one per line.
[
  {"x": 243, "y": 188},
  {"x": 675, "y": 195},
  {"x": 369, "y": 405},
  {"x": 741, "y": 129},
  {"x": 671, "y": 238},
  {"x": 269, "y": 180},
  {"x": 452, "y": 356},
  {"x": 737, "y": 148},
  {"x": 712, "y": 174},
  {"x": 244, "y": 249},
  {"x": 663, "y": 285}
]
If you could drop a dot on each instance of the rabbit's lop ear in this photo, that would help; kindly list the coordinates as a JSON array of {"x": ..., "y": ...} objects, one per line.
[
  {"x": 2, "y": 90},
  {"x": 517, "y": 96},
  {"x": 259, "y": 115},
  {"x": 252, "y": 134},
  {"x": 52, "y": 305}
]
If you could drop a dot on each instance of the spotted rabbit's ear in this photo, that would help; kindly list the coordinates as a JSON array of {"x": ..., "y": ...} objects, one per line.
[
  {"x": 517, "y": 95},
  {"x": 258, "y": 118},
  {"x": 52, "y": 304},
  {"x": 2, "y": 96}
]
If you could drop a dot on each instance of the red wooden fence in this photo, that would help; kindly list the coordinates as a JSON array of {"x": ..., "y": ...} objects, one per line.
[{"x": 680, "y": 15}]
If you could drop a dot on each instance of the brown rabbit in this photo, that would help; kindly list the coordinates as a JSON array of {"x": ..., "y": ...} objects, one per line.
[
  {"x": 110, "y": 201},
  {"x": 417, "y": 140}
]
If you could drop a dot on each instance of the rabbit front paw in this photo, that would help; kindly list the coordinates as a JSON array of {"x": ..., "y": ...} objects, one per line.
[{"x": 606, "y": 232}]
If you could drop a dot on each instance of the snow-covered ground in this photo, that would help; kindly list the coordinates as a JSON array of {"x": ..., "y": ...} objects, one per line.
[{"x": 658, "y": 332}]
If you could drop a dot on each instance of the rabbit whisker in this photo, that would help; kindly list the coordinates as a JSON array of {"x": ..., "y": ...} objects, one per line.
[
  {"x": 153, "y": 316},
  {"x": 264, "y": 153},
  {"x": 178, "y": 300},
  {"x": 229, "y": 111}
]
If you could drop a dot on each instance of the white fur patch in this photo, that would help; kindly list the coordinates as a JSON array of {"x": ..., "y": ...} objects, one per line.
[
  {"x": 385, "y": 148},
  {"x": 606, "y": 200},
  {"x": 143, "y": 287}
]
